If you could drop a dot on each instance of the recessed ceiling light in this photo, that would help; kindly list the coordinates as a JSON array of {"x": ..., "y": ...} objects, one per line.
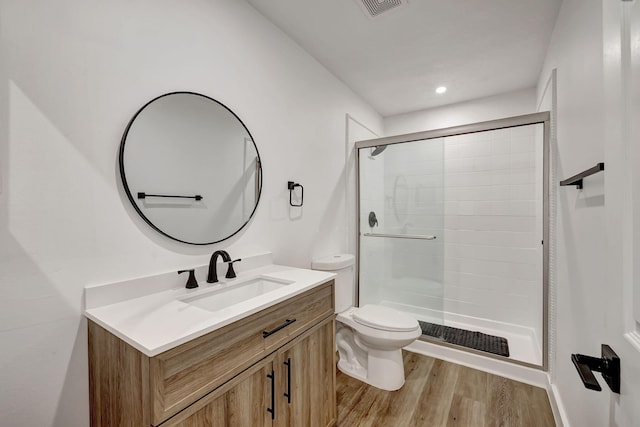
[{"x": 441, "y": 89}]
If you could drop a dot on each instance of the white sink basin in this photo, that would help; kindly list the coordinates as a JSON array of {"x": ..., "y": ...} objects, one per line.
[{"x": 235, "y": 293}]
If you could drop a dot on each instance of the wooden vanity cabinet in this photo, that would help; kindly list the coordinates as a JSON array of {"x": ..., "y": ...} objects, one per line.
[
  {"x": 234, "y": 376},
  {"x": 242, "y": 401},
  {"x": 291, "y": 388},
  {"x": 305, "y": 369}
]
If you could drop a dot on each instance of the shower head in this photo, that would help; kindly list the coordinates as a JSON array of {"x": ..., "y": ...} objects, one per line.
[{"x": 377, "y": 150}]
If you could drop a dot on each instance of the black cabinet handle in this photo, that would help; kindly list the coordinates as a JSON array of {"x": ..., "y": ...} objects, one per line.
[
  {"x": 273, "y": 331},
  {"x": 288, "y": 393},
  {"x": 272, "y": 410}
]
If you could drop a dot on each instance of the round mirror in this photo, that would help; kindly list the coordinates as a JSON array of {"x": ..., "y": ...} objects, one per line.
[{"x": 190, "y": 168}]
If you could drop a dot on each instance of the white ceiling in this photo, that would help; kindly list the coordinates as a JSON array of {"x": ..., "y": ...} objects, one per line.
[{"x": 395, "y": 61}]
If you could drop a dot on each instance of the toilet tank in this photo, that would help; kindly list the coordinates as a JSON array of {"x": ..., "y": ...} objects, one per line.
[{"x": 343, "y": 266}]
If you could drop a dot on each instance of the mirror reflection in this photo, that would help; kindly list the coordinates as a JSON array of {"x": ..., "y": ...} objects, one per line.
[{"x": 190, "y": 168}]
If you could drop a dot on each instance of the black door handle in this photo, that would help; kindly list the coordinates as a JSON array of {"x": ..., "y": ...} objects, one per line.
[{"x": 608, "y": 365}]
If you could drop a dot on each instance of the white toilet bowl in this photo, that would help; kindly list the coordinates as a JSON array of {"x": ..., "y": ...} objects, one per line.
[
  {"x": 369, "y": 338},
  {"x": 370, "y": 341}
]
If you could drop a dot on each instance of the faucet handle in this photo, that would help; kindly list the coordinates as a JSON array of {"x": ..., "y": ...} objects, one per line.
[
  {"x": 230, "y": 271},
  {"x": 191, "y": 281}
]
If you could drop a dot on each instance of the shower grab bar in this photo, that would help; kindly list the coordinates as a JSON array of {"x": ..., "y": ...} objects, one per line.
[{"x": 402, "y": 236}]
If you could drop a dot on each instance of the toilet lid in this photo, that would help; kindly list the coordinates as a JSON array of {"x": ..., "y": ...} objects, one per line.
[{"x": 384, "y": 318}]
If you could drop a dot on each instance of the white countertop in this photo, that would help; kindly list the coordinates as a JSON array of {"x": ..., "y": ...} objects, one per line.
[{"x": 159, "y": 321}]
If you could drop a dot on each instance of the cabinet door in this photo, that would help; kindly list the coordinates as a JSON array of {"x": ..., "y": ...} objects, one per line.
[
  {"x": 244, "y": 401},
  {"x": 306, "y": 379}
]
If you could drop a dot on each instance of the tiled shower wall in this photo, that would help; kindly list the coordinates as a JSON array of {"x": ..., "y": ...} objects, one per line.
[{"x": 493, "y": 233}]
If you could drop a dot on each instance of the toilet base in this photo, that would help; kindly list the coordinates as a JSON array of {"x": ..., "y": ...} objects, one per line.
[{"x": 385, "y": 369}]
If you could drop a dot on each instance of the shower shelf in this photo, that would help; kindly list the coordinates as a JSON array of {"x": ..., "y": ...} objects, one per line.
[
  {"x": 401, "y": 236},
  {"x": 577, "y": 179}
]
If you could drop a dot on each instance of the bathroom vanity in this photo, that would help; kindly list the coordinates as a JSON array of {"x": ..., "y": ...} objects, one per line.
[{"x": 268, "y": 360}]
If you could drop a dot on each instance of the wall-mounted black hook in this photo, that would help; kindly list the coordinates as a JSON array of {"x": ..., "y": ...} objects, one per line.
[{"x": 291, "y": 186}]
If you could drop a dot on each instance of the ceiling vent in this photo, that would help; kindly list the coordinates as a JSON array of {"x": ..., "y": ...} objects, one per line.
[{"x": 375, "y": 8}]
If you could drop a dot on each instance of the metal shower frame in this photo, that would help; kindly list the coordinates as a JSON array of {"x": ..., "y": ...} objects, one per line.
[{"x": 509, "y": 122}]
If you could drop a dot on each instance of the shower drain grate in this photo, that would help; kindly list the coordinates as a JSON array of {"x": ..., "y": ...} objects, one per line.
[{"x": 470, "y": 339}]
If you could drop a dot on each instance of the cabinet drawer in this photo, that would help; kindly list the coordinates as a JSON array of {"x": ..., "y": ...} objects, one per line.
[{"x": 182, "y": 375}]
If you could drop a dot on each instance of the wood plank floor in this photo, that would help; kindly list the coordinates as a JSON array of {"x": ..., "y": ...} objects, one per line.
[{"x": 442, "y": 394}]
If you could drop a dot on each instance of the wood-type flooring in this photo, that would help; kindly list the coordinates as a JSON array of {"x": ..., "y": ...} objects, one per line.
[{"x": 442, "y": 394}]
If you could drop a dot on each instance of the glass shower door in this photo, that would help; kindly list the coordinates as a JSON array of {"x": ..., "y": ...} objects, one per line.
[{"x": 401, "y": 226}]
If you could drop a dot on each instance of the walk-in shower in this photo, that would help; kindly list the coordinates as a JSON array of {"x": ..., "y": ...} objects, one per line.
[{"x": 458, "y": 237}]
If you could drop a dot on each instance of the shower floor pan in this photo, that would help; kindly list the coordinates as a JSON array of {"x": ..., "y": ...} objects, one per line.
[
  {"x": 523, "y": 341},
  {"x": 465, "y": 338}
]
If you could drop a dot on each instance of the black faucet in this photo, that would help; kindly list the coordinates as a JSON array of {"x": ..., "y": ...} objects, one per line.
[
  {"x": 212, "y": 277},
  {"x": 191, "y": 282}
]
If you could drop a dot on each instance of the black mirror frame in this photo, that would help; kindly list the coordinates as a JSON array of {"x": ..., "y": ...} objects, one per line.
[{"x": 130, "y": 195}]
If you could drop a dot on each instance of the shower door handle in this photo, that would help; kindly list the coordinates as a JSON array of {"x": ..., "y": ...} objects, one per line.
[{"x": 402, "y": 236}]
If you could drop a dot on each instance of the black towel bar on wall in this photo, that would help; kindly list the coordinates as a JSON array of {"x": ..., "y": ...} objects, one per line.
[
  {"x": 577, "y": 179},
  {"x": 142, "y": 195}
]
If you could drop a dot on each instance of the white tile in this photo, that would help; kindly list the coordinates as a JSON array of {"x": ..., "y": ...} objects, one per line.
[
  {"x": 483, "y": 208},
  {"x": 499, "y": 192},
  {"x": 522, "y": 191},
  {"x": 501, "y": 177},
  {"x": 527, "y": 131},
  {"x": 451, "y": 151},
  {"x": 501, "y": 162},
  {"x": 522, "y": 145},
  {"x": 522, "y": 161},
  {"x": 501, "y": 147},
  {"x": 522, "y": 208}
]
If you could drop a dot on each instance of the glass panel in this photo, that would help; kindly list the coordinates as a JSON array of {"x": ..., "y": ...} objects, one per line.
[
  {"x": 480, "y": 196},
  {"x": 401, "y": 227}
]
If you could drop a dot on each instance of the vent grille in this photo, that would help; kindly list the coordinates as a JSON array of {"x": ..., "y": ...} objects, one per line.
[{"x": 377, "y": 7}]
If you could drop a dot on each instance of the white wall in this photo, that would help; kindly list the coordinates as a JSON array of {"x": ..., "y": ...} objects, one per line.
[
  {"x": 593, "y": 267},
  {"x": 478, "y": 110},
  {"x": 73, "y": 73}
]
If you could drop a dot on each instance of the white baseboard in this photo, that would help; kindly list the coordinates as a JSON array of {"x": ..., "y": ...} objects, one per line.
[
  {"x": 524, "y": 374},
  {"x": 557, "y": 407}
]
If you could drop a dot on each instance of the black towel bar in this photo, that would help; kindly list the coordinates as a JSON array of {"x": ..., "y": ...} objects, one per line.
[
  {"x": 577, "y": 179},
  {"x": 142, "y": 195}
]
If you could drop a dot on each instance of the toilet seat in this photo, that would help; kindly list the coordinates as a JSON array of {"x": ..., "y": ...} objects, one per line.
[
  {"x": 347, "y": 317},
  {"x": 384, "y": 318}
]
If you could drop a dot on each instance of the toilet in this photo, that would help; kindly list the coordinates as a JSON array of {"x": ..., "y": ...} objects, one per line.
[{"x": 369, "y": 338}]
